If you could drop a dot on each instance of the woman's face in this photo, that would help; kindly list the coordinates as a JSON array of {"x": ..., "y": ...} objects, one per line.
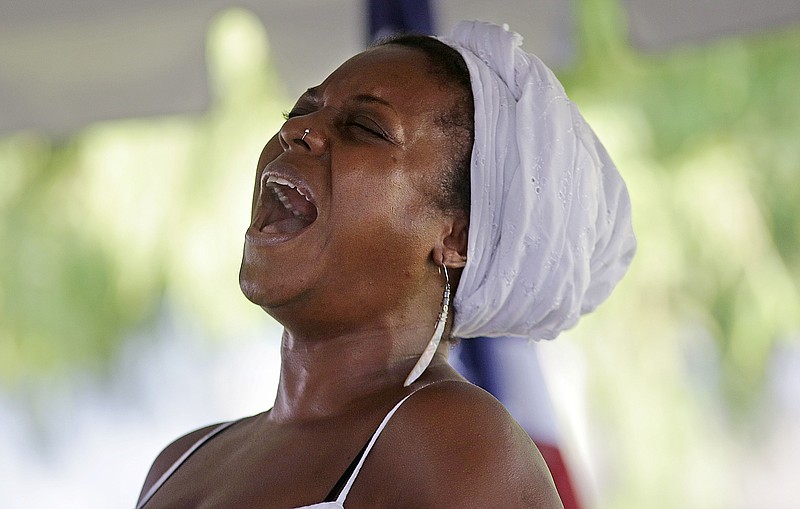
[{"x": 343, "y": 219}]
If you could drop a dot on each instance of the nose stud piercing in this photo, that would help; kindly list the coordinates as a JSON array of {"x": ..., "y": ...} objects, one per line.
[{"x": 305, "y": 133}]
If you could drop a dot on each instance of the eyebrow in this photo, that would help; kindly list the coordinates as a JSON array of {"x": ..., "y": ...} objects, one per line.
[
  {"x": 313, "y": 94},
  {"x": 371, "y": 99}
]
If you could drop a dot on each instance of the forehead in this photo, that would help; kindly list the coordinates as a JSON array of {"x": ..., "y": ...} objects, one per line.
[{"x": 398, "y": 75}]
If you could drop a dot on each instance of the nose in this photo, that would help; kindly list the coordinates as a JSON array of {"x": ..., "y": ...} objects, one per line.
[{"x": 300, "y": 133}]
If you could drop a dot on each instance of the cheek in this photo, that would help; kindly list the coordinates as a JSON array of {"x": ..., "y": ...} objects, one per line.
[{"x": 387, "y": 215}]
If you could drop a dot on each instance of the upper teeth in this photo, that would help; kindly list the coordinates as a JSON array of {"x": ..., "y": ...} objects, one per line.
[
  {"x": 272, "y": 179},
  {"x": 282, "y": 181},
  {"x": 286, "y": 203}
]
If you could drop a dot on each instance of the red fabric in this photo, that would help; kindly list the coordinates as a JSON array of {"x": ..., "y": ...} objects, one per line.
[{"x": 552, "y": 456}]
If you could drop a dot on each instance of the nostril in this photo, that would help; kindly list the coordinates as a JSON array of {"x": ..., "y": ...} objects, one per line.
[{"x": 302, "y": 141}]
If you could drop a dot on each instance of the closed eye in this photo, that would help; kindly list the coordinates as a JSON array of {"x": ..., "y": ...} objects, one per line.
[
  {"x": 367, "y": 125},
  {"x": 369, "y": 130}
]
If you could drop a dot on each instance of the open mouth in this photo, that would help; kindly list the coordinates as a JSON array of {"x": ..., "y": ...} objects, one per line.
[{"x": 288, "y": 209}]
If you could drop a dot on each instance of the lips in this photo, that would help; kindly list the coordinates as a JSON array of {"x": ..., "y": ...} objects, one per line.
[{"x": 285, "y": 206}]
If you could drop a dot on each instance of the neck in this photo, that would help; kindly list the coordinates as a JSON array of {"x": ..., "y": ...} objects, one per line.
[{"x": 326, "y": 376}]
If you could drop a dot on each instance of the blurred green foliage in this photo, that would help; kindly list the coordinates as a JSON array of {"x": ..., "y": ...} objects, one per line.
[
  {"x": 708, "y": 136},
  {"x": 678, "y": 359},
  {"x": 102, "y": 232}
]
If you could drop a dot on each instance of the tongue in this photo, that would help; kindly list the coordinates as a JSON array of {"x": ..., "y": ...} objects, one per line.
[
  {"x": 300, "y": 204},
  {"x": 287, "y": 225},
  {"x": 290, "y": 217}
]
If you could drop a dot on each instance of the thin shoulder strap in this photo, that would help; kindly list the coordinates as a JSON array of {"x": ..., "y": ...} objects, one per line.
[
  {"x": 343, "y": 494},
  {"x": 171, "y": 470}
]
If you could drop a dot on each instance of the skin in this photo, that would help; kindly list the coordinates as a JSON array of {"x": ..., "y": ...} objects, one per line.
[{"x": 358, "y": 292}]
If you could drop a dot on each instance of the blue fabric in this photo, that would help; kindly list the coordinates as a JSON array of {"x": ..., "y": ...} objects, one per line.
[
  {"x": 476, "y": 362},
  {"x": 387, "y": 17},
  {"x": 510, "y": 370}
]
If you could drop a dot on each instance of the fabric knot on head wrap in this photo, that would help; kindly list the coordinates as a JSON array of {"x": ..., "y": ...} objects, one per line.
[{"x": 550, "y": 228}]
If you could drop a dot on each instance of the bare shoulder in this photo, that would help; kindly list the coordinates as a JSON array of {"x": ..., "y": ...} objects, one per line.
[
  {"x": 170, "y": 455},
  {"x": 457, "y": 446}
]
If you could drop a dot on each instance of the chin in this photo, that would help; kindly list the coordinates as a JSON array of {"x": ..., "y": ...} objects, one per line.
[
  {"x": 253, "y": 287},
  {"x": 248, "y": 286},
  {"x": 250, "y": 289},
  {"x": 268, "y": 289}
]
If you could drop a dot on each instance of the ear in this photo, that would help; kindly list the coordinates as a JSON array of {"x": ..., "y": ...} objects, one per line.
[{"x": 451, "y": 250}]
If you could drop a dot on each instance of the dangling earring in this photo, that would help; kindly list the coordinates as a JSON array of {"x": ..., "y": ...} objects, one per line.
[{"x": 427, "y": 356}]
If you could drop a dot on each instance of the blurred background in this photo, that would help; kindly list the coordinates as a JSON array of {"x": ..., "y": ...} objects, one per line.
[{"x": 129, "y": 134}]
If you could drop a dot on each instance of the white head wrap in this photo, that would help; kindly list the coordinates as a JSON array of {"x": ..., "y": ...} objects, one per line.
[{"x": 550, "y": 228}]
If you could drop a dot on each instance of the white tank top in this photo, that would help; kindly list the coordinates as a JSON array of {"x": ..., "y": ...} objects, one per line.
[{"x": 338, "y": 504}]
